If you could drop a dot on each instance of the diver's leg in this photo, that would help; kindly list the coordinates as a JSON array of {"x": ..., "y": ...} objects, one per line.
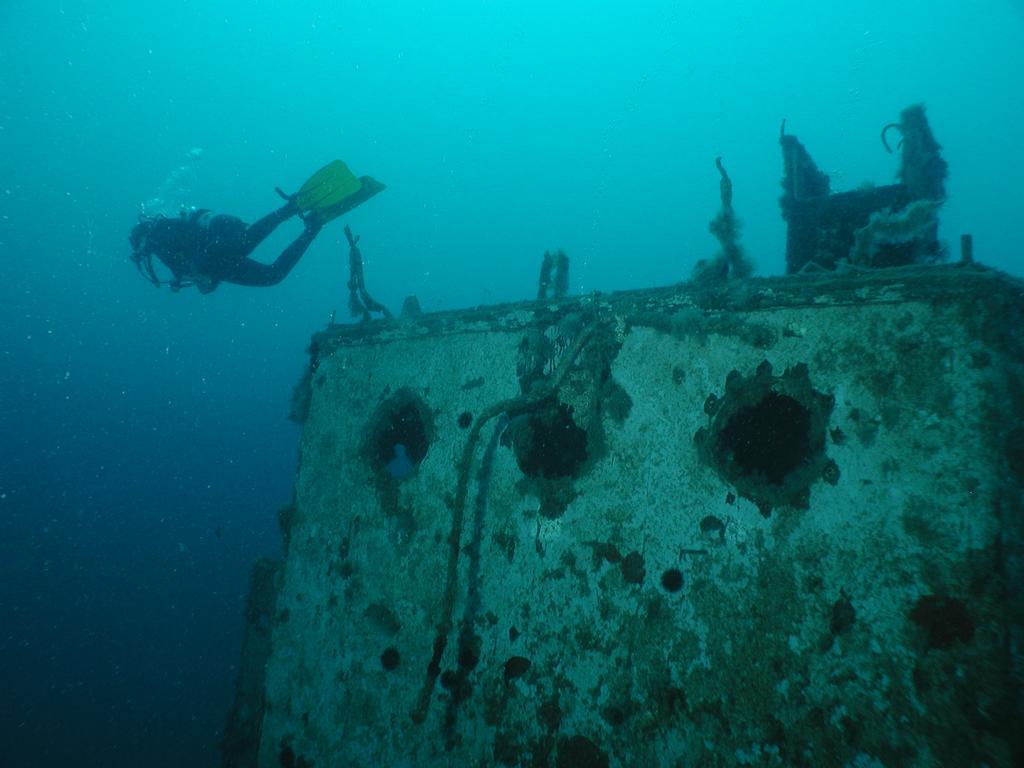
[
  {"x": 260, "y": 230},
  {"x": 249, "y": 272}
]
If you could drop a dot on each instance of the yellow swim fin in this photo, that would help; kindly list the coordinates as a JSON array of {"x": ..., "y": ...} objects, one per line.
[
  {"x": 368, "y": 187},
  {"x": 328, "y": 186},
  {"x": 334, "y": 190}
]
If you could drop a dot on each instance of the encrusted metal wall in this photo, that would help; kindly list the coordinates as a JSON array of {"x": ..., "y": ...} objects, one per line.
[{"x": 773, "y": 523}]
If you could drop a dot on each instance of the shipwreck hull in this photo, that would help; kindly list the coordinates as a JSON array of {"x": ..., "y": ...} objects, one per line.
[{"x": 776, "y": 523}]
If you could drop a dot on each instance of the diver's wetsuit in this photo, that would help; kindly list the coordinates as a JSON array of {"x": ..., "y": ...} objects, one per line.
[{"x": 206, "y": 249}]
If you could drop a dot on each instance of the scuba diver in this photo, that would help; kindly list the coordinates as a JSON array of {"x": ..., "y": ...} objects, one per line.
[{"x": 205, "y": 249}]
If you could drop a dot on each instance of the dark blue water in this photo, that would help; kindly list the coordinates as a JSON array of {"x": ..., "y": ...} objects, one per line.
[{"x": 144, "y": 446}]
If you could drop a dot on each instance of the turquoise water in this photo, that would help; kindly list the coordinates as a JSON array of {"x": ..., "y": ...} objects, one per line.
[{"x": 145, "y": 448}]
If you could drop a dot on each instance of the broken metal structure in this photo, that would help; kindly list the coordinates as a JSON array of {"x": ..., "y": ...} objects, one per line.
[{"x": 874, "y": 226}]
